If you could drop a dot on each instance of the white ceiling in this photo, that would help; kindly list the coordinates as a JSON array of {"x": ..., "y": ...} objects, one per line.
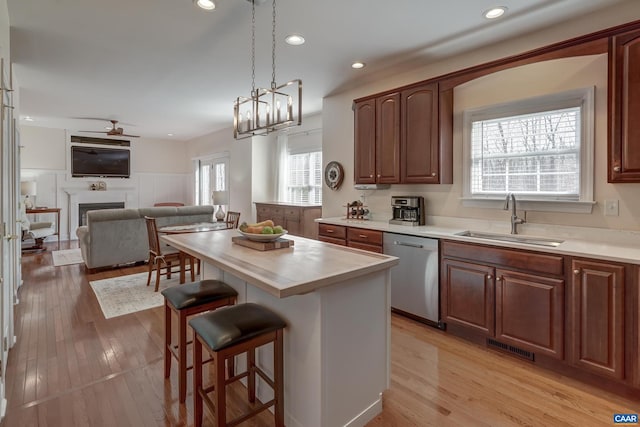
[{"x": 166, "y": 66}]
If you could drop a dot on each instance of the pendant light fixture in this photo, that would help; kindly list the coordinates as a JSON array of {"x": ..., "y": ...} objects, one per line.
[{"x": 267, "y": 110}]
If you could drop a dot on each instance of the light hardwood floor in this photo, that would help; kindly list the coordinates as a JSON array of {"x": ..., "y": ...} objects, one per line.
[{"x": 71, "y": 367}]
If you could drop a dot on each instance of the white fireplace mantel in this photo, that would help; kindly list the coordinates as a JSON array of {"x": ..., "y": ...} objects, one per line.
[{"x": 78, "y": 195}]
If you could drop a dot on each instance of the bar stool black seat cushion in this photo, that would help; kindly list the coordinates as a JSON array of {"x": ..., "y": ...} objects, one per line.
[
  {"x": 197, "y": 293},
  {"x": 231, "y": 325}
]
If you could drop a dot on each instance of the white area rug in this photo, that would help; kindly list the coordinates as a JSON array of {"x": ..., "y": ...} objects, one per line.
[
  {"x": 127, "y": 294},
  {"x": 67, "y": 257}
]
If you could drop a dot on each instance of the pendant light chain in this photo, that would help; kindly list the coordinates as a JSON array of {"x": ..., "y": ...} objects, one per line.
[
  {"x": 253, "y": 47},
  {"x": 273, "y": 48}
]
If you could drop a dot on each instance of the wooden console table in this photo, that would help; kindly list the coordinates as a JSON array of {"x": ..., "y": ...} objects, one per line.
[{"x": 56, "y": 211}]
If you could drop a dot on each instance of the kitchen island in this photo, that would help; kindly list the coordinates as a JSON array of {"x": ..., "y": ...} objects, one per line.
[{"x": 337, "y": 307}]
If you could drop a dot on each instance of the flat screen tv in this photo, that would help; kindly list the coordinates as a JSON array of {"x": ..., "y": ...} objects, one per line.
[{"x": 100, "y": 162}]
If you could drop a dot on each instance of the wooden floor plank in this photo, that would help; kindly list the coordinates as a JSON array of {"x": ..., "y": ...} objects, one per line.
[{"x": 73, "y": 367}]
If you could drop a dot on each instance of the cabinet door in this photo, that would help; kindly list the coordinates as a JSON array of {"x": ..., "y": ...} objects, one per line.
[
  {"x": 263, "y": 212},
  {"x": 419, "y": 149},
  {"x": 467, "y": 295},
  {"x": 292, "y": 220},
  {"x": 597, "y": 317},
  {"x": 365, "y": 142},
  {"x": 388, "y": 139},
  {"x": 624, "y": 108},
  {"x": 530, "y": 312}
]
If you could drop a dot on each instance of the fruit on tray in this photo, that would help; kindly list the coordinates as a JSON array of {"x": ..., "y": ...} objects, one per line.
[{"x": 263, "y": 227}]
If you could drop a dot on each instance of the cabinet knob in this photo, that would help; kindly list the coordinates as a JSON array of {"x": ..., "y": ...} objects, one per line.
[
  {"x": 433, "y": 174},
  {"x": 498, "y": 279},
  {"x": 489, "y": 277},
  {"x": 362, "y": 236},
  {"x": 370, "y": 176},
  {"x": 379, "y": 175},
  {"x": 576, "y": 271},
  {"x": 616, "y": 168}
]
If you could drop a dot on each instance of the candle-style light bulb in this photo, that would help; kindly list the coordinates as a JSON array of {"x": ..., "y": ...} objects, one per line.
[
  {"x": 239, "y": 123},
  {"x": 278, "y": 111},
  {"x": 248, "y": 120},
  {"x": 289, "y": 108},
  {"x": 268, "y": 114}
]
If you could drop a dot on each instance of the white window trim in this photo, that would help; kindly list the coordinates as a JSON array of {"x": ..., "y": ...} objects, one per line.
[
  {"x": 211, "y": 158},
  {"x": 583, "y": 97}
]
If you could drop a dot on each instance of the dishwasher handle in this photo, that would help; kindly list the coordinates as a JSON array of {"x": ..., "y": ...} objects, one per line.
[{"x": 412, "y": 245}]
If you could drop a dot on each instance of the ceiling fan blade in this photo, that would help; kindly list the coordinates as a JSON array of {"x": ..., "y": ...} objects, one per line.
[
  {"x": 91, "y": 131},
  {"x": 131, "y": 136}
]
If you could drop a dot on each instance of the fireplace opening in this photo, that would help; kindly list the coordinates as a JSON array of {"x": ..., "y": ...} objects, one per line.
[{"x": 83, "y": 208}]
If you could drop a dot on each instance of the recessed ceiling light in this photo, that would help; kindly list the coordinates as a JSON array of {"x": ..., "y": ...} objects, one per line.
[
  {"x": 169, "y": 134},
  {"x": 494, "y": 12},
  {"x": 28, "y": 119},
  {"x": 205, "y": 4},
  {"x": 294, "y": 39},
  {"x": 358, "y": 65}
]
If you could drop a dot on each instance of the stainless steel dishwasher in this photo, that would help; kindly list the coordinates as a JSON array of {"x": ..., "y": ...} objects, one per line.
[{"x": 414, "y": 282}]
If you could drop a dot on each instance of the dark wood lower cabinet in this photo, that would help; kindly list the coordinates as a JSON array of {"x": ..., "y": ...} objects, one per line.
[
  {"x": 467, "y": 295},
  {"x": 597, "y": 317},
  {"x": 530, "y": 312},
  {"x": 577, "y": 316},
  {"x": 354, "y": 237}
]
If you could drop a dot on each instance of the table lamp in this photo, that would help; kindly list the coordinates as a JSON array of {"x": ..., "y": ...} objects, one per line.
[
  {"x": 28, "y": 188},
  {"x": 220, "y": 198}
]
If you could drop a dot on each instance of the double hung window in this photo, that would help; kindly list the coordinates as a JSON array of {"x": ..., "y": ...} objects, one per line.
[{"x": 540, "y": 149}]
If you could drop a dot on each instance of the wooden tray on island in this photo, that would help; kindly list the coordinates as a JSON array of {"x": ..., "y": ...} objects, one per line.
[{"x": 262, "y": 246}]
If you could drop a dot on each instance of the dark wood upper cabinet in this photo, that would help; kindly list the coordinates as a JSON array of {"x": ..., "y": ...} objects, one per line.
[
  {"x": 365, "y": 142},
  {"x": 624, "y": 108},
  {"x": 410, "y": 139},
  {"x": 420, "y": 154},
  {"x": 387, "y": 157}
]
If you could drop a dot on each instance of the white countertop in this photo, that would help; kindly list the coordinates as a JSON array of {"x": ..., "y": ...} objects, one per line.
[
  {"x": 611, "y": 245},
  {"x": 302, "y": 268}
]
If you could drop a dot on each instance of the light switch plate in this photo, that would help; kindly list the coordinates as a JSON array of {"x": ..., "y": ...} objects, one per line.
[{"x": 611, "y": 207}]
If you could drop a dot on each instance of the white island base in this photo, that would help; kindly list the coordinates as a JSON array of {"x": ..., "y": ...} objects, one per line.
[{"x": 336, "y": 349}]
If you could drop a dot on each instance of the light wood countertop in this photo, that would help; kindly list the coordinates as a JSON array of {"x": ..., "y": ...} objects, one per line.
[{"x": 303, "y": 268}]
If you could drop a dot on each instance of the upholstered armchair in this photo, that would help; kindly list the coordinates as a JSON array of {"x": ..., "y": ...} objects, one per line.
[{"x": 36, "y": 231}]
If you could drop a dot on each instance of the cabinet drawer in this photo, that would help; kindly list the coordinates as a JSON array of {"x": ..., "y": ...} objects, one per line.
[
  {"x": 334, "y": 231},
  {"x": 263, "y": 210},
  {"x": 366, "y": 247},
  {"x": 333, "y": 240},
  {"x": 292, "y": 214},
  {"x": 372, "y": 237},
  {"x": 512, "y": 258}
]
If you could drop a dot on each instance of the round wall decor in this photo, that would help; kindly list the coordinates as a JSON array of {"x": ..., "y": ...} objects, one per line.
[{"x": 333, "y": 175}]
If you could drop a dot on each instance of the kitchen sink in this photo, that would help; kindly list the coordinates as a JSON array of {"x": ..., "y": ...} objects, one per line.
[{"x": 539, "y": 241}]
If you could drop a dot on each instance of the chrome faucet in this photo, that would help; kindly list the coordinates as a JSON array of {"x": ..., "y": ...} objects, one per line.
[{"x": 514, "y": 217}]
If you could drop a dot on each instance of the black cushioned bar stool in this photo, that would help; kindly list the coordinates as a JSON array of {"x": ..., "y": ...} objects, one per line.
[
  {"x": 188, "y": 300},
  {"x": 225, "y": 333}
]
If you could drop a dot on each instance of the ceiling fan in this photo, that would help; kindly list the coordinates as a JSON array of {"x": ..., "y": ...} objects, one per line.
[{"x": 114, "y": 131}]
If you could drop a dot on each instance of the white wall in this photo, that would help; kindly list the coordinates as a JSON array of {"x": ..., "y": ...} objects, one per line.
[
  {"x": 4, "y": 30},
  {"x": 558, "y": 75}
]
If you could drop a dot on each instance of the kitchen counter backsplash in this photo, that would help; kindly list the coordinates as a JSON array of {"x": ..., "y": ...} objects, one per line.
[{"x": 613, "y": 245}]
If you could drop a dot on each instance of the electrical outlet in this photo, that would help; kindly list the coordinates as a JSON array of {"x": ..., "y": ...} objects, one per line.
[{"x": 611, "y": 207}]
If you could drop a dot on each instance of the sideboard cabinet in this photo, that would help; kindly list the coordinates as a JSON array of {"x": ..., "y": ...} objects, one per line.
[{"x": 298, "y": 220}]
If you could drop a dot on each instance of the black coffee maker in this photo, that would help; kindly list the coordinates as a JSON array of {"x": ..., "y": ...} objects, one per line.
[{"x": 407, "y": 210}]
